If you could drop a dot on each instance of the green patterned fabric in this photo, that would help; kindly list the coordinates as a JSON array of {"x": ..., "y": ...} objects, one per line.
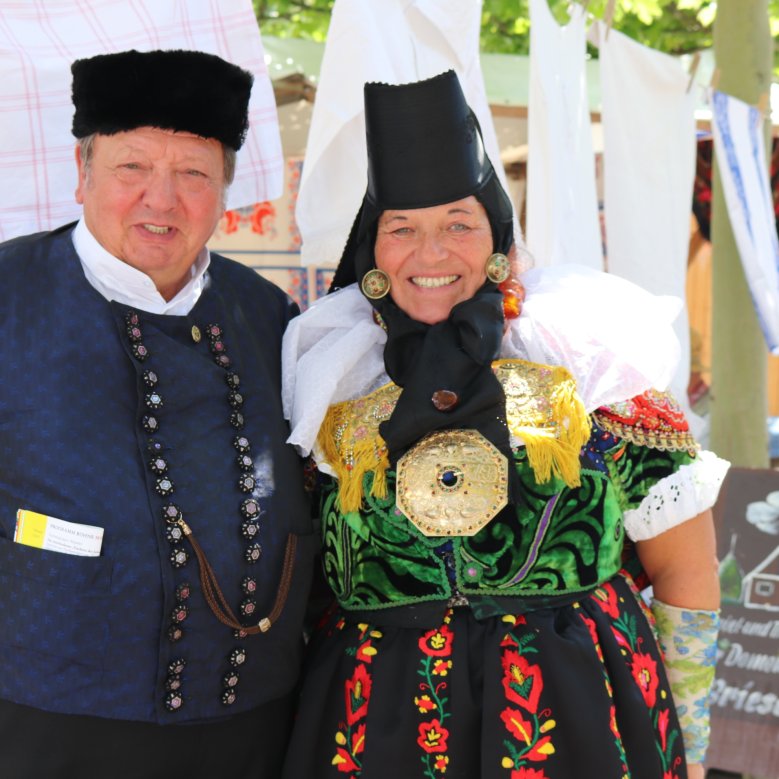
[
  {"x": 559, "y": 541},
  {"x": 688, "y": 639},
  {"x": 635, "y": 469}
]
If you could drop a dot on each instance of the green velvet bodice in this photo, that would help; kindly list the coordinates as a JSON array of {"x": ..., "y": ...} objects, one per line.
[{"x": 559, "y": 541}]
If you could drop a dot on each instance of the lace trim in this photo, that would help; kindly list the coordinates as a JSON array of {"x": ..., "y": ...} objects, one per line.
[{"x": 677, "y": 498}]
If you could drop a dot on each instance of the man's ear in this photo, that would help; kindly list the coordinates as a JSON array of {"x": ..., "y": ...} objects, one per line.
[{"x": 82, "y": 176}]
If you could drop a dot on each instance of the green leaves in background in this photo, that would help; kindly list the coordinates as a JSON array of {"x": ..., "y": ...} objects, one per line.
[{"x": 672, "y": 26}]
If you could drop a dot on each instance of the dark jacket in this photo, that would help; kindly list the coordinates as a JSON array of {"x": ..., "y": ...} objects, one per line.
[{"x": 92, "y": 635}]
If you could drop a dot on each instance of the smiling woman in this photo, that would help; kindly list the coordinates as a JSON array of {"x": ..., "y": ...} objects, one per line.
[
  {"x": 434, "y": 257},
  {"x": 483, "y": 474}
]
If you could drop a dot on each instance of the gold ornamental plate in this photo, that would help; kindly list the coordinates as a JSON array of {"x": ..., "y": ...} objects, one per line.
[{"x": 452, "y": 483}]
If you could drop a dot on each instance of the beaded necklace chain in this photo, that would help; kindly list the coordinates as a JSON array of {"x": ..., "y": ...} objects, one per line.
[{"x": 177, "y": 530}]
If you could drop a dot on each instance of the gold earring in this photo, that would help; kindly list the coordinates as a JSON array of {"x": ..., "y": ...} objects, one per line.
[
  {"x": 375, "y": 284},
  {"x": 497, "y": 268}
]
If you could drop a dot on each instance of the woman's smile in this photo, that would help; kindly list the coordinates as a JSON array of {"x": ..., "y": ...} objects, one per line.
[{"x": 435, "y": 257}]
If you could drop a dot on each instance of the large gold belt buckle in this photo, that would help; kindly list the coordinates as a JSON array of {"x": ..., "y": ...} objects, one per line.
[{"x": 452, "y": 483}]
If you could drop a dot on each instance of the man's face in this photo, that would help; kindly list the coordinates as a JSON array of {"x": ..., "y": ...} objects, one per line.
[{"x": 153, "y": 198}]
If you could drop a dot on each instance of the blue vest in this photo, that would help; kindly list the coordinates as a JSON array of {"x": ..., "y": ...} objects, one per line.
[{"x": 81, "y": 435}]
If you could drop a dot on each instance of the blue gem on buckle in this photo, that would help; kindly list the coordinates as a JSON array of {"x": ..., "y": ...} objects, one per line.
[{"x": 450, "y": 478}]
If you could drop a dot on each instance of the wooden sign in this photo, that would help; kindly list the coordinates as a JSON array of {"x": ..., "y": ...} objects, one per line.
[{"x": 745, "y": 695}]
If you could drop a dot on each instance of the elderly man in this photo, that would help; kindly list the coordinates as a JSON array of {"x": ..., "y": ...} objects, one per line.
[{"x": 155, "y": 538}]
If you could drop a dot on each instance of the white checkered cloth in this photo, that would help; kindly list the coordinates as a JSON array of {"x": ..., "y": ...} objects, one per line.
[{"x": 38, "y": 42}]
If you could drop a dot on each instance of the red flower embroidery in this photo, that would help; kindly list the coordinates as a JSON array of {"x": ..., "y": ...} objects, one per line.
[
  {"x": 541, "y": 749},
  {"x": 441, "y": 763},
  {"x": 424, "y": 704},
  {"x": 593, "y": 629},
  {"x": 621, "y": 640},
  {"x": 343, "y": 761},
  {"x": 528, "y": 773},
  {"x": 432, "y": 736},
  {"x": 662, "y": 726},
  {"x": 521, "y": 681},
  {"x": 437, "y": 642},
  {"x": 517, "y": 725},
  {"x": 358, "y": 690},
  {"x": 613, "y": 721},
  {"x": 644, "y": 670},
  {"x": 358, "y": 739},
  {"x": 441, "y": 667},
  {"x": 606, "y": 598},
  {"x": 366, "y": 652}
]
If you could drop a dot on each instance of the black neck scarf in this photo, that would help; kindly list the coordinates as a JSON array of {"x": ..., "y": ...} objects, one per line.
[{"x": 454, "y": 355}]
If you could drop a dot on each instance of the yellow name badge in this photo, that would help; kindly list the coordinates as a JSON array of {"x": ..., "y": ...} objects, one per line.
[{"x": 57, "y": 535}]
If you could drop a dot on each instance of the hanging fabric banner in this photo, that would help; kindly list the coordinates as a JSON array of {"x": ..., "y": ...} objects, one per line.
[
  {"x": 562, "y": 205},
  {"x": 648, "y": 174},
  {"x": 38, "y": 43},
  {"x": 739, "y": 148},
  {"x": 393, "y": 41}
]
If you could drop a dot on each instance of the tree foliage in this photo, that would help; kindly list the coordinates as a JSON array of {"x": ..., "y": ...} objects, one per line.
[
  {"x": 672, "y": 26},
  {"x": 294, "y": 18}
]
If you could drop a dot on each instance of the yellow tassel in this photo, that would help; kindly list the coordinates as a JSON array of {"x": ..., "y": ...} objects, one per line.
[
  {"x": 553, "y": 444},
  {"x": 572, "y": 428},
  {"x": 569, "y": 412},
  {"x": 553, "y": 437},
  {"x": 550, "y": 456},
  {"x": 352, "y": 458},
  {"x": 379, "y": 488}
]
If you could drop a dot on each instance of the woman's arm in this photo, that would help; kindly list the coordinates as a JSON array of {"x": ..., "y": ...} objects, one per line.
[{"x": 681, "y": 564}]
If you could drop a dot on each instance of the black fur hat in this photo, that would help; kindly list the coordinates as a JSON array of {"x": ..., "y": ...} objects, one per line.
[{"x": 185, "y": 91}]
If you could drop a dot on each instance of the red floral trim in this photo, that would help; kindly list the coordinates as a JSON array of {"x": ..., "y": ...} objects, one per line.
[
  {"x": 653, "y": 419},
  {"x": 432, "y": 736},
  {"x": 529, "y": 727},
  {"x": 350, "y": 736},
  {"x": 432, "y": 702},
  {"x": 437, "y": 643},
  {"x": 642, "y": 666},
  {"x": 644, "y": 670},
  {"x": 606, "y": 598},
  {"x": 528, "y": 773},
  {"x": 522, "y": 681}
]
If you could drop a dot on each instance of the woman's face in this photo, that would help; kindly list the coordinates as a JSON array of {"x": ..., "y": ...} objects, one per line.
[{"x": 435, "y": 257}]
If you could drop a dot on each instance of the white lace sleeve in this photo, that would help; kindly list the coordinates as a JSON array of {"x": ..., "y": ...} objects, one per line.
[{"x": 678, "y": 497}]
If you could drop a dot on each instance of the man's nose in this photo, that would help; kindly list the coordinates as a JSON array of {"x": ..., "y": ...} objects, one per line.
[{"x": 161, "y": 193}]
